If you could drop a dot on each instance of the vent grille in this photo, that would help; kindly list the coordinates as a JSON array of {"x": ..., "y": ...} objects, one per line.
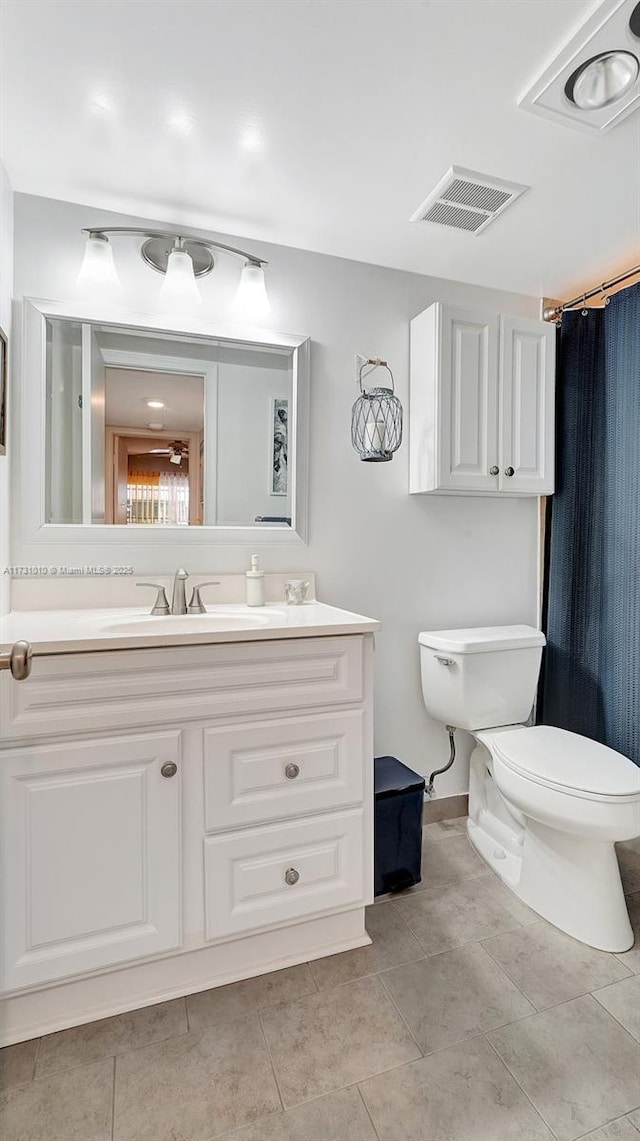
[
  {"x": 448, "y": 215},
  {"x": 482, "y": 197},
  {"x": 467, "y": 200}
]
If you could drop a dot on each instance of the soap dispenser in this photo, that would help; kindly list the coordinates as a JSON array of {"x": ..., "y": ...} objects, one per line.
[{"x": 255, "y": 583}]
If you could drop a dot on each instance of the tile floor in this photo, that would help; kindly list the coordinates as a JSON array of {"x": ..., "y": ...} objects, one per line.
[{"x": 468, "y": 1019}]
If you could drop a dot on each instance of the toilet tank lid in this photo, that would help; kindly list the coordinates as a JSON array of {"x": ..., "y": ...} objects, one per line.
[{"x": 482, "y": 639}]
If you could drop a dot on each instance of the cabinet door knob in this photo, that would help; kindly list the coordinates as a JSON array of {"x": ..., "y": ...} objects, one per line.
[
  {"x": 292, "y": 771},
  {"x": 169, "y": 769},
  {"x": 495, "y": 470},
  {"x": 509, "y": 471},
  {"x": 291, "y": 876}
]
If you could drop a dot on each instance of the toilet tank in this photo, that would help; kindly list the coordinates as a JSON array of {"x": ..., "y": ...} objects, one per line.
[{"x": 482, "y": 677}]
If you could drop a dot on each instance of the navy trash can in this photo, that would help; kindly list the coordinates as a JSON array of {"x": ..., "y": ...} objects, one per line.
[{"x": 399, "y": 794}]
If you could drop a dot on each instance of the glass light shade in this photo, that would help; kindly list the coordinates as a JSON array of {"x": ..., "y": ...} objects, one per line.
[
  {"x": 603, "y": 80},
  {"x": 98, "y": 271},
  {"x": 179, "y": 292},
  {"x": 251, "y": 300}
]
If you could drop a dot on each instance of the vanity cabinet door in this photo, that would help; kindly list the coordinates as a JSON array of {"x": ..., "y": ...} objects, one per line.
[
  {"x": 527, "y": 393},
  {"x": 90, "y": 855}
]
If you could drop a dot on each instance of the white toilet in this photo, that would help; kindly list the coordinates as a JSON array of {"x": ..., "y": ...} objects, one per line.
[{"x": 545, "y": 805}]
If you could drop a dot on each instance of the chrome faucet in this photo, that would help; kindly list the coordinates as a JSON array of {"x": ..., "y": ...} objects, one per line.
[{"x": 178, "y": 597}]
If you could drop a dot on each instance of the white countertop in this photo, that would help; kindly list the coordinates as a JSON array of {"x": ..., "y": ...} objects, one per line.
[{"x": 83, "y": 631}]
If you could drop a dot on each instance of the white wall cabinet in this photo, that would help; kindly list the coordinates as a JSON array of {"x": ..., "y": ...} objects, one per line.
[
  {"x": 481, "y": 403},
  {"x": 180, "y": 818}
]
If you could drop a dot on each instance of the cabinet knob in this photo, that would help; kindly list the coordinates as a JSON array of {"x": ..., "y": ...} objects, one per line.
[
  {"x": 495, "y": 470},
  {"x": 291, "y": 876},
  {"x": 509, "y": 471},
  {"x": 292, "y": 771},
  {"x": 169, "y": 769}
]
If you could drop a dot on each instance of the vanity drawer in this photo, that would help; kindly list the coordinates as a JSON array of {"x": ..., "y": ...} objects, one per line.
[
  {"x": 259, "y": 771},
  {"x": 75, "y": 693},
  {"x": 282, "y": 872}
]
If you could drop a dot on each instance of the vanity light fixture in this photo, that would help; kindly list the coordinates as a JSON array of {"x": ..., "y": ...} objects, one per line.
[
  {"x": 602, "y": 80},
  {"x": 179, "y": 292},
  {"x": 251, "y": 299},
  {"x": 98, "y": 270},
  {"x": 182, "y": 261},
  {"x": 376, "y": 418}
]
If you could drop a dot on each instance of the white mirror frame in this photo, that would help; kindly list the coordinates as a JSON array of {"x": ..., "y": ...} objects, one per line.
[{"x": 37, "y": 542}]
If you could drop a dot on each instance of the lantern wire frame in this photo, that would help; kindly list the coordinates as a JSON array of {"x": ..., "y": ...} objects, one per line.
[{"x": 376, "y": 418}]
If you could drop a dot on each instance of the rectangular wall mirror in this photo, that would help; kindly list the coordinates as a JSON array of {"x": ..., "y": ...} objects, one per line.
[
  {"x": 141, "y": 443},
  {"x": 157, "y": 430}
]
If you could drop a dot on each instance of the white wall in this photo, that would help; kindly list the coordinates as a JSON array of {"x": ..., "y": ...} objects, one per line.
[
  {"x": 413, "y": 562},
  {"x": 6, "y": 289}
]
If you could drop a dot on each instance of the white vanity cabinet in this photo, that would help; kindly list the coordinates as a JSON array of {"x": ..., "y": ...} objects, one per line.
[
  {"x": 177, "y": 818},
  {"x": 481, "y": 403}
]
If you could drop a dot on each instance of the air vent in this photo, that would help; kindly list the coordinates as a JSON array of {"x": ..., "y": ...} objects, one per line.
[{"x": 467, "y": 200}]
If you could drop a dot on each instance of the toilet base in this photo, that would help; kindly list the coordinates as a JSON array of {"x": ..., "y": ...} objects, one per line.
[{"x": 571, "y": 881}]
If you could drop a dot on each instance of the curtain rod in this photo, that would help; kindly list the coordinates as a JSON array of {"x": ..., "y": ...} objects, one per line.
[{"x": 554, "y": 312}]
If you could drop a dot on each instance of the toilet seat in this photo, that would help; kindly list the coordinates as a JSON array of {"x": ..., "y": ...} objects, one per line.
[{"x": 565, "y": 762}]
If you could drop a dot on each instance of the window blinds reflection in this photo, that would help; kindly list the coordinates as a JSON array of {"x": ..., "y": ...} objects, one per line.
[{"x": 158, "y": 497}]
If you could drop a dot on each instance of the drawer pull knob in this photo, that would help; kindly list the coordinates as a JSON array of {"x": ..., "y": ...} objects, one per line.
[
  {"x": 169, "y": 769},
  {"x": 291, "y": 876},
  {"x": 292, "y": 771}
]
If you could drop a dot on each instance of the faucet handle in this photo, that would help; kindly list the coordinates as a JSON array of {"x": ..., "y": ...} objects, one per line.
[
  {"x": 196, "y": 605},
  {"x": 161, "y": 604}
]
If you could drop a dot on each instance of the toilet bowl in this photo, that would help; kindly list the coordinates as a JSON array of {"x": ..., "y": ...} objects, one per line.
[{"x": 546, "y": 806}]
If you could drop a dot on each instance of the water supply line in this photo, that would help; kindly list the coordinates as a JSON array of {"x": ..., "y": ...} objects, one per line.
[{"x": 430, "y": 789}]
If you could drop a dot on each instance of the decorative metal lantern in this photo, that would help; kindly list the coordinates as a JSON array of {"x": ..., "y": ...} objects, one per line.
[{"x": 376, "y": 419}]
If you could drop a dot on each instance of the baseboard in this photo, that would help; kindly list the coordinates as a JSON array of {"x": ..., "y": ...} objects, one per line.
[{"x": 447, "y": 808}]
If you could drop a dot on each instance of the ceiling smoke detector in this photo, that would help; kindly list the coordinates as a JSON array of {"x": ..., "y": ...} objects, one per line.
[{"x": 467, "y": 200}]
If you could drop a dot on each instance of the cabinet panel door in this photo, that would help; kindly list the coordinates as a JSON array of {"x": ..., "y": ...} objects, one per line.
[
  {"x": 468, "y": 416},
  {"x": 263, "y": 770},
  {"x": 527, "y": 405},
  {"x": 283, "y": 872},
  {"x": 91, "y": 855}
]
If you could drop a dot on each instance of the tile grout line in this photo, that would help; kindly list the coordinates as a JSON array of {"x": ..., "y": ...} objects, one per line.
[
  {"x": 36, "y": 1059},
  {"x": 366, "y": 1109},
  {"x": 113, "y": 1101},
  {"x": 520, "y": 1087},
  {"x": 402, "y": 1017},
  {"x": 271, "y": 1061},
  {"x": 616, "y": 1019}
]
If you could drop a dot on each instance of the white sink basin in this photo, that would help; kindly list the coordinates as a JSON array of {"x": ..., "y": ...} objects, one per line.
[{"x": 186, "y": 623}]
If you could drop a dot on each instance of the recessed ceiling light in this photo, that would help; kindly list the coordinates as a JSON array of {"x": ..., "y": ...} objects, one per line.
[
  {"x": 155, "y": 404},
  {"x": 602, "y": 80}
]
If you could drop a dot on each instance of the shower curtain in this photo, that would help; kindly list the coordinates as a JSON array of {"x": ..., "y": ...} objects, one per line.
[{"x": 591, "y": 678}]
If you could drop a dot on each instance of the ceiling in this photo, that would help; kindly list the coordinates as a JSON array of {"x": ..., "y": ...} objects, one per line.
[
  {"x": 127, "y": 392},
  {"x": 321, "y": 124}
]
